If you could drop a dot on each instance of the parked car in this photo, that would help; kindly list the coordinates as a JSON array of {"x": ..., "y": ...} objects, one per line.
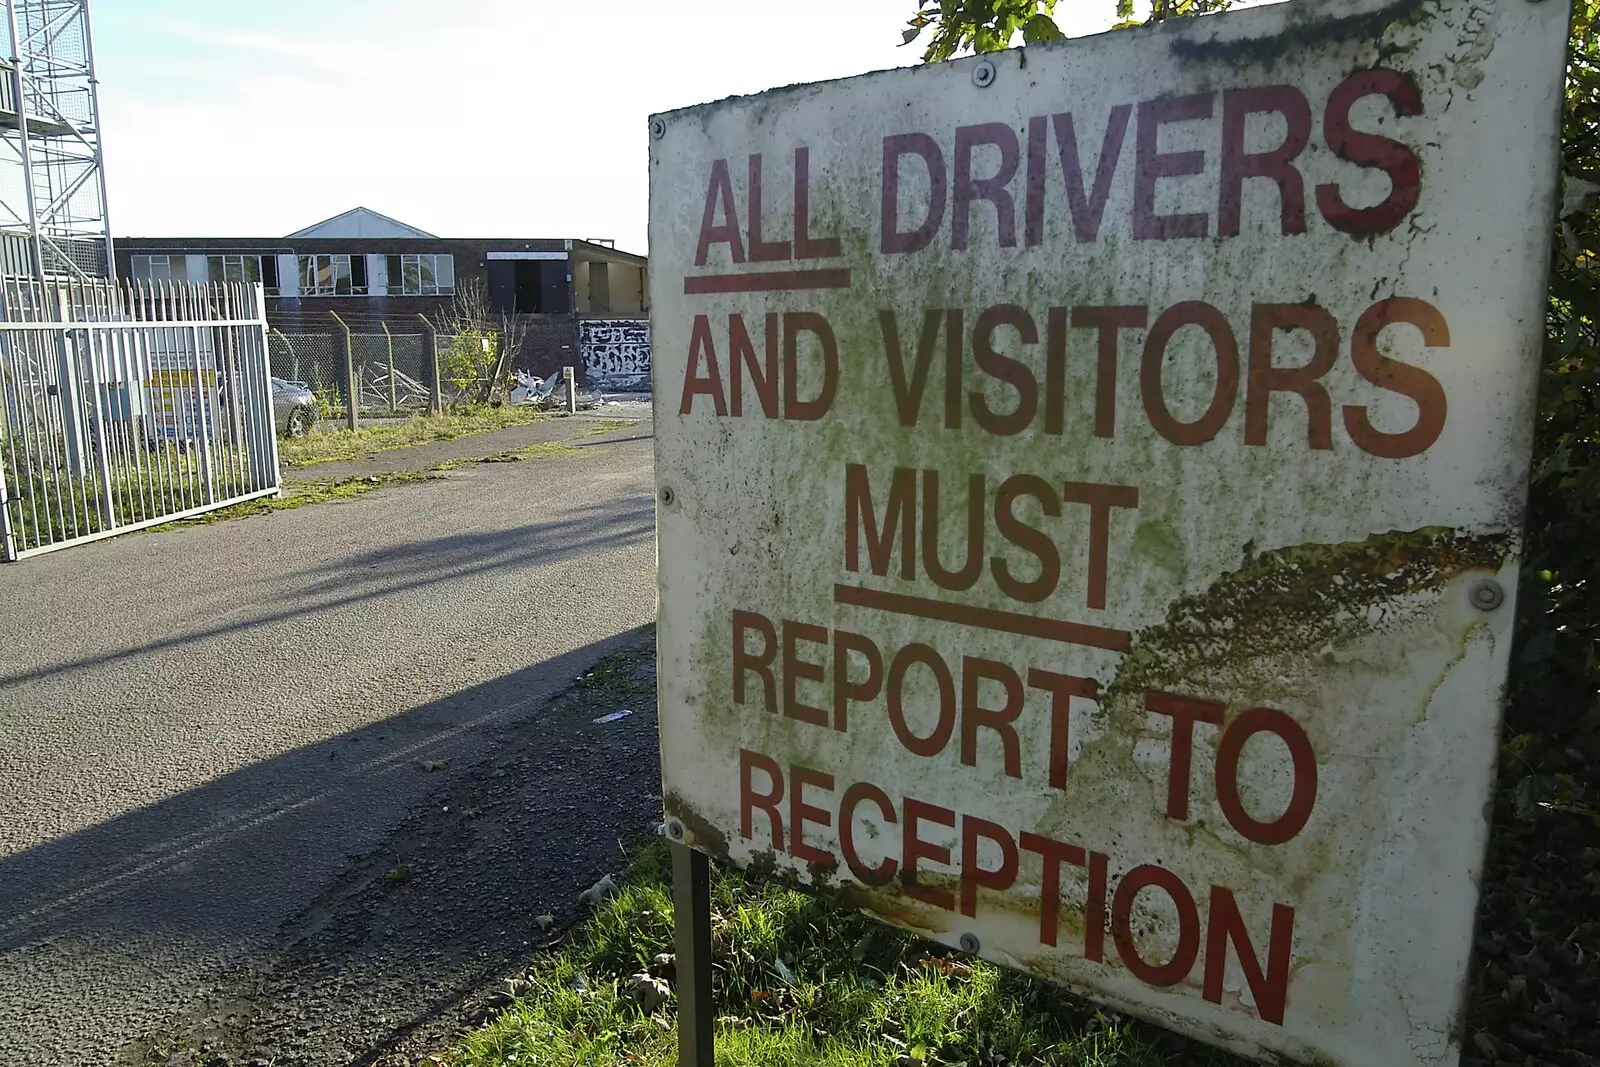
[{"x": 294, "y": 408}]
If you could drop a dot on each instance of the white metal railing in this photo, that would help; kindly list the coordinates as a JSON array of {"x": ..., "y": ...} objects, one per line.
[{"x": 125, "y": 407}]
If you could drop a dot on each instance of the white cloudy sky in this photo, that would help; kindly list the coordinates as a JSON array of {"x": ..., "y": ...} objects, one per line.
[{"x": 468, "y": 118}]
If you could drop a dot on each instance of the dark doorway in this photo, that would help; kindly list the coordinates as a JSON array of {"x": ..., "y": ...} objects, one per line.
[
  {"x": 528, "y": 287},
  {"x": 553, "y": 287},
  {"x": 502, "y": 286}
]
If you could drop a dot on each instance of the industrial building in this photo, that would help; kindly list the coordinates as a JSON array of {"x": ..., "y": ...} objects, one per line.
[{"x": 582, "y": 303}]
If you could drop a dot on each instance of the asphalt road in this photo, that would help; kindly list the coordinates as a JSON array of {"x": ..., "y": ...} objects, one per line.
[{"x": 205, "y": 733}]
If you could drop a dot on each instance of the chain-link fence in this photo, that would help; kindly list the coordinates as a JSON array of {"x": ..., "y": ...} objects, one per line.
[
  {"x": 316, "y": 361},
  {"x": 394, "y": 373}
]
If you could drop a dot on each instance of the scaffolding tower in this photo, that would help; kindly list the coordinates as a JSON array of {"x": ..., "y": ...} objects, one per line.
[{"x": 52, "y": 183}]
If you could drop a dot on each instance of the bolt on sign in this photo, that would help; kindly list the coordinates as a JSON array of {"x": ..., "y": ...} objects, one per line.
[{"x": 1091, "y": 480}]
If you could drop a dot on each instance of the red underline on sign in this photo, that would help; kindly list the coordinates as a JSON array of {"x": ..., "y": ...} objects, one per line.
[
  {"x": 772, "y": 281},
  {"x": 1011, "y": 622}
]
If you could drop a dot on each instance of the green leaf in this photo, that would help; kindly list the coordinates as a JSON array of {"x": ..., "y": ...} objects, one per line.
[{"x": 1041, "y": 28}]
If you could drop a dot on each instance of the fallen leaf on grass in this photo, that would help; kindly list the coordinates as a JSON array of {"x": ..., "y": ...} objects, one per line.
[
  {"x": 650, "y": 993},
  {"x": 598, "y": 892}
]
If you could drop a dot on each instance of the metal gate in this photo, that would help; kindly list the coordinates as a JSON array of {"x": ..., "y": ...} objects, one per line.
[{"x": 125, "y": 407}]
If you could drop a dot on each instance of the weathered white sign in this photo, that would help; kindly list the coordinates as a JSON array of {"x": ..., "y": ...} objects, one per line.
[{"x": 1090, "y": 483}]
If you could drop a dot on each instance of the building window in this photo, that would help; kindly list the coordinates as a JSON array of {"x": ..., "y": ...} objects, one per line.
[
  {"x": 248, "y": 269},
  {"x": 422, "y": 275},
  {"x": 160, "y": 269},
  {"x": 333, "y": 275}
]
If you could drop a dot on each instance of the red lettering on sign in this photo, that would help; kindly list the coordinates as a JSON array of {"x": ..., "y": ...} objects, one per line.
[
  {"x": 1053, "y": 853},
  {"x": 846, "y": 691},
  {"x": 801, "y": 813},
  {"x": 860, "y": 521},
  {"x": 750, "y": 800},
  {"x": 742, "y": 355},
  {"x": 1265, "y": 379},
  {"x": 794, "y": 669},
  {"x": 903, "y": 661},
  {"x": 806, "y": 246},
  {"x": 954, "y": 332},
  {"x": 1094, "y": 908},
  {"x": 1372, "y": 151},
  {"x": 794, "y": 324},
  {"x": 762, "y": 251},
  {"x": 993, "y": 188},
  {"x": 914, "y": 849},
  {"x": 896, "y": 148},
  {"x": 744, "y": 661},
  {"x": 1276, "y": 165},
  {"x": 1304, "y": 795},
  {"x": 1270, "y": 985},
  {"x": 1106, "y": 321},
  {"x": 975, "y": 717},
  {"x": 1267, "y": 980},
  {"x": 1028, "y": 538},
  {"x": 1033, "y": 211},
  {"x": 1154, "y": 165},
  {"x": 972, "y": 564},
  {"x": 1184, "y": 712},
  {"x": 1421, "y": 387},
  {"x": 1062, "y": 688},
  {"x": 1088, "y": 210},
  {"x": 719, "y": 193},
  {"x": 974, "y": 876},
  {"x": 908, "y": 395},
  {"x": 884, "y": 873},
  {"x": 1055, "y": 373},
  {"x": 702, "y": 347},
  {"x": 1101, "y": 499},
  {"x": 1188, "y": 948},
  {"x": 1004, "y": 368},
  {"x": 1189, "y": 313}
]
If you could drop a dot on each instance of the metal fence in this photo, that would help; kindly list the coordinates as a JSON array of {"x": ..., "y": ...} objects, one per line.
[
  {"x": 122, "y": 408},
  {"x": 393, "y": 373}
]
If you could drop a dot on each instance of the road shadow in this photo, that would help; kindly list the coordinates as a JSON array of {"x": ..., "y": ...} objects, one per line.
[
  {"x": 613, "y": 441},
  {"x": 407, "y": 858},
  {"x": 350, "y": 579}
]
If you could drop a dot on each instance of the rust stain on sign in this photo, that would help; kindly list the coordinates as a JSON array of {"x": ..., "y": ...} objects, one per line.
[{"x": 1096, "y": 499}]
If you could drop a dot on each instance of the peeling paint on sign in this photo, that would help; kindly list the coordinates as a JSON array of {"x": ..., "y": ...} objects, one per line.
[{"x": 1078, "y": 495}]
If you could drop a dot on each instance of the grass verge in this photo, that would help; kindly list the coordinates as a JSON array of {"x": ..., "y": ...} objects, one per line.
[
  {"x": 799, "y": 982},
  {"x": 329, "y": 446},
  {"x": 515, "y": 455},
  {"x": 299, "y": 494}
]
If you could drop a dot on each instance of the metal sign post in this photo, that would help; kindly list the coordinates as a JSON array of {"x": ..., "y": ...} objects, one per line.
[
  {"x": 691, "y": 909},
  {"x": 1091, "y": 497}
]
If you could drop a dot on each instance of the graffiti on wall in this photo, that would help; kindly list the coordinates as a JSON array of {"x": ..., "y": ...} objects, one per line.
[{"x": 616, "y": 352}]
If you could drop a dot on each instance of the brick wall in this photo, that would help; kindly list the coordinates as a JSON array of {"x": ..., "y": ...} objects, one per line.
[{"x": 551, "y": 343}]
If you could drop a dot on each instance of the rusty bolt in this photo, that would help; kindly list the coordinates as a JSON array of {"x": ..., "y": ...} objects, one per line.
[
  {"x": 658, "y": 128},
  {"x": 969, "y": 944},
  {"x": 983, "y": 74},
  {"x": 667, "y": 496},
  {"x": 1486, "y": 595},
  {"x": 675, "y": 829}
]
